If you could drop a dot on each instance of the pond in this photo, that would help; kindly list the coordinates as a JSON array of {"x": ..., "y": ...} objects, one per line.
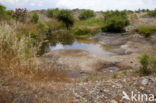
[{"x": 69, "y": 42}]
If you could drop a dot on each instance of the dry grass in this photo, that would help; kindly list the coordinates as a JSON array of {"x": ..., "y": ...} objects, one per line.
[
  {"x": 26, "y": 28},
  {"x": 18, "y": 71}
]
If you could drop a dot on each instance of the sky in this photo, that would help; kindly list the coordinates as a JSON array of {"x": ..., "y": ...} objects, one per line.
[{"x": 96, "y": 5}]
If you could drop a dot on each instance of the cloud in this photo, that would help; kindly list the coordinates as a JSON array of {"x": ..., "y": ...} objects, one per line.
[
  {"x": 82, "y": 4},
  {"x": 107, "y": 4},
  {"x": 32, "y": 4}
]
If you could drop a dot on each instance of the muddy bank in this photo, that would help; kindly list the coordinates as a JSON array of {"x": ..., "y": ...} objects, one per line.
[
  {"x": 131, "y": 47},
  {"x": 73, "y": 59}
]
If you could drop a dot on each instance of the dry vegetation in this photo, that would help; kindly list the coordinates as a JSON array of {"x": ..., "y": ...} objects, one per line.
[{"x": 18, "y": 72}]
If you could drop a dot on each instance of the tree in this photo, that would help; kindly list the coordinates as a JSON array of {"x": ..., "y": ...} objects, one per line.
[{"x": 66, "y": 16}]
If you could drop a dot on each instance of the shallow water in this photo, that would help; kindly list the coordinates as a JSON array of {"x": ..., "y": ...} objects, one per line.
[
  {"x": 111, "y": 69},
  {"x": 79, "y": 43}
]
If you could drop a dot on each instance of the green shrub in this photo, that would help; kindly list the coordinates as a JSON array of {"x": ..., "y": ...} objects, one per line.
[
  {"x": 87, "y": 27},
  {"x": 43, "y": 28},
  {"x": 109, "y": 14},
  {"x": 2, "y": 11},
  {"x": 90, "y": 22},
  {"x": 55, "y": 25},
  {"x": 147, "y": 31},
  {"x": 115, "y": 21},
  {"x": 85, "y": 14},
  {"x": 152, "y": 13},
  {"x": 66, "y": 16},
  {"x": 5, "y": 14},
  {"x": 145, "y": 63},
  {"x": 9, "y": 14},
  {"x": 52, "y": 12},
  {"x": 148, "y": 64},
  {"x": 35, "y": 17},
  {"x": 82, "y": 31}
]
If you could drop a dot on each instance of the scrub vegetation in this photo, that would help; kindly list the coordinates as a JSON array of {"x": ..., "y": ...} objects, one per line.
[{"x": 22, "y": 34}]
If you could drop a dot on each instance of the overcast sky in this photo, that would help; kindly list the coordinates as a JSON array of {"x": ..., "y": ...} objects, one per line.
[{"x": 82, "y": 4}]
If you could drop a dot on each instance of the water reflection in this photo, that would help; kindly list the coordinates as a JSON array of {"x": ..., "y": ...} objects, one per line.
[
  {"x": 96, "y": 49},
  {"x": 65, "y": 41},
  {"x": 62, "y": 38},
  {"x": 79, "y": 43}
]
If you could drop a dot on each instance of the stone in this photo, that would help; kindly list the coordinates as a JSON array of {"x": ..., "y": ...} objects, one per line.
[
  {"x": 145, "y": 82},
  {"x": 142, "y": 88},
  {"x": 113, "y": 101}
]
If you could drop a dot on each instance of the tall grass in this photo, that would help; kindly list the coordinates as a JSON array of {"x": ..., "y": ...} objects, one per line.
[
  {"x": 19, "y": 72},
  {"x": 18, "y": 55}
]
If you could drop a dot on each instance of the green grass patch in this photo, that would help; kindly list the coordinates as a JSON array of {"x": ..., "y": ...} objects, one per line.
[
  {"x": 146, "y": 31},
  {"x": 87, "y": 27}
]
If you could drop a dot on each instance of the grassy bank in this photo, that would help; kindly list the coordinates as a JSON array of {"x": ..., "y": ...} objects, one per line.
[{"x": 146, "y": 31}]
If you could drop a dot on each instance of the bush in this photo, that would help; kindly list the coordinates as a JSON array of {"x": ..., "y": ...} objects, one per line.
[
  {"x": 115, "y": 21},
  {"x": 87, "y": 27},
  {"x": 109, "y": 14},
  {"x": 145, "y": 62},
  {"x": 66, "y": 16},
  {"x": 147, "y": 31},
  {"x": 2, "y": 11},
  {"x": 52, "y": 12},
  {"x": 148, "y": 64},
  {"x": 43, "y": 28},
  {"x": 9, "y": 14},
  {"x": 35, "y": 17},
  {"x": 152, "y": 13},
  {"x": 20, "y": 14},
  {"x": 5, "y": 14},
  {"x": 82, "y": 31},
  {"x": 85, "y": 14}
]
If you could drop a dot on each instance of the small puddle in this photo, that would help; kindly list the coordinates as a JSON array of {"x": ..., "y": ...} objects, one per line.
[
  {"x": 78, "y": 43},
  {"x": 111, "y": 69}
]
